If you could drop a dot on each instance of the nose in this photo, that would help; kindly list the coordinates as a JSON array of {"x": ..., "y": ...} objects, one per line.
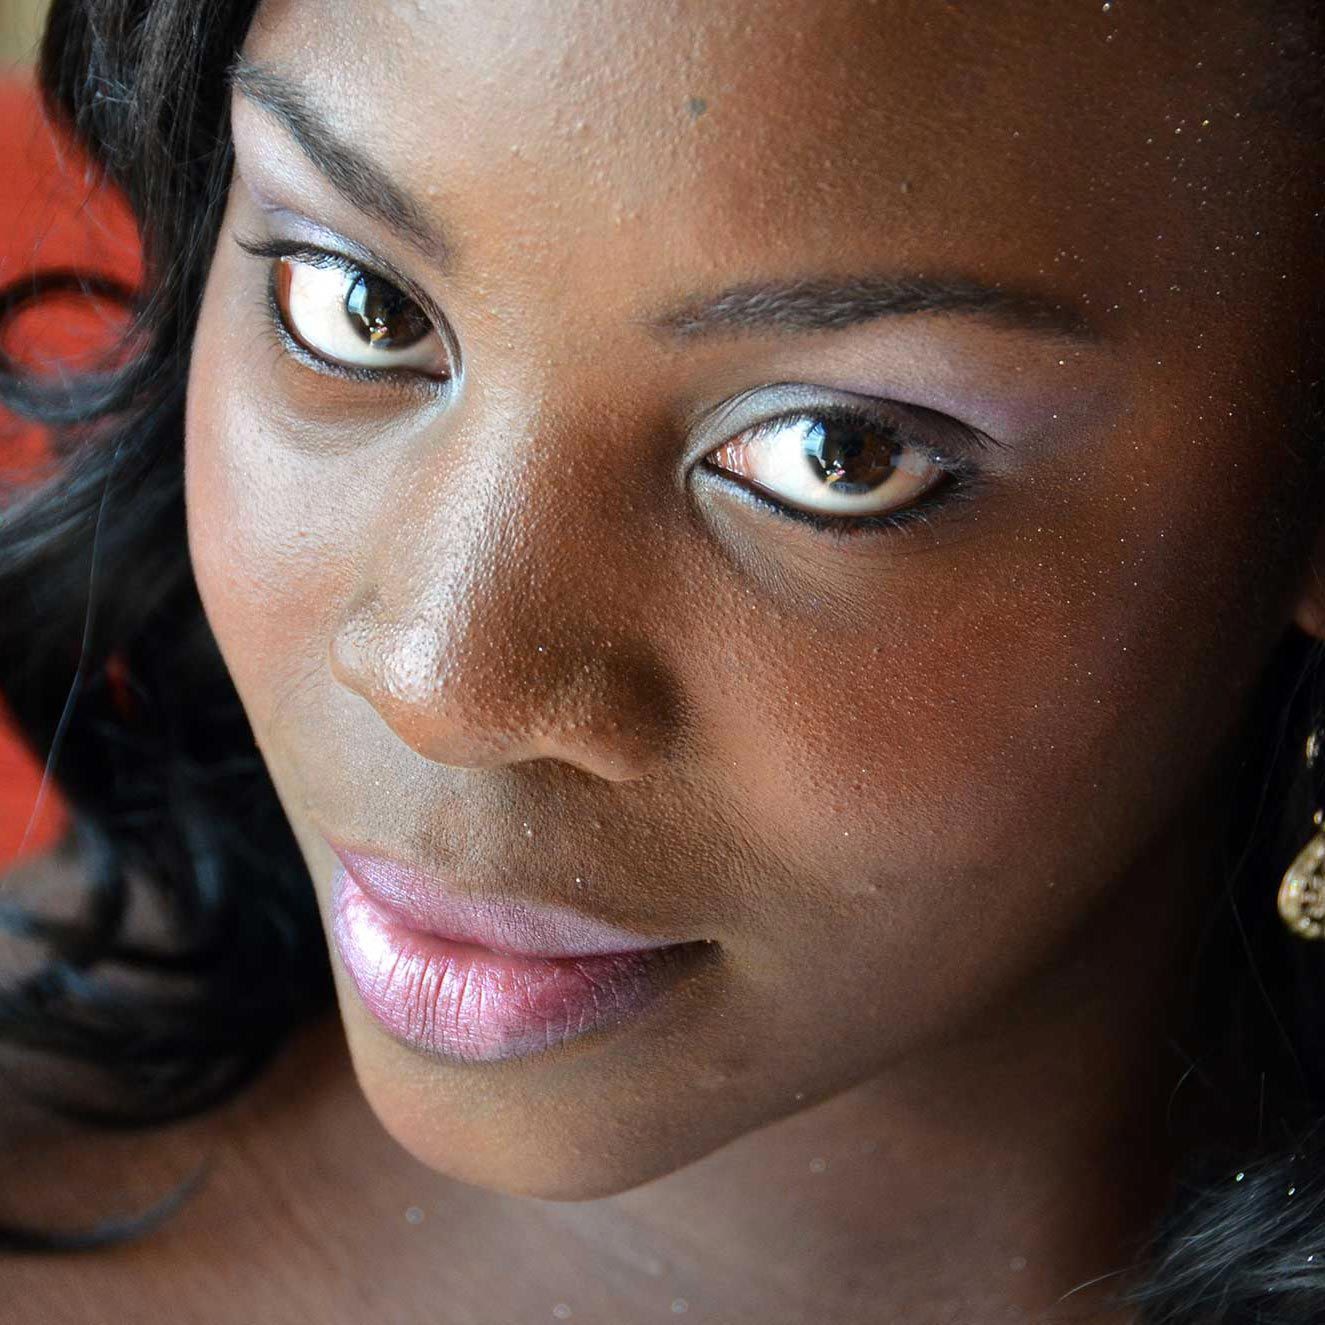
[{"x": 502, "y": 628}]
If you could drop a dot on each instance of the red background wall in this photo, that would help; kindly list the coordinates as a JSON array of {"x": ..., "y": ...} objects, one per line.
[{"x": 53, "y": 213}]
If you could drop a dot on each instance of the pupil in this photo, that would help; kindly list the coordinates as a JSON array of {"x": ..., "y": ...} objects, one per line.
[
  {"x": 848, "y": 456},
  {"x": 383, "y": 316}
]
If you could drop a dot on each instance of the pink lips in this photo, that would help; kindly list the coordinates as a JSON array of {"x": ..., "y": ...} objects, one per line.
[{"x": 480, "y": 982}]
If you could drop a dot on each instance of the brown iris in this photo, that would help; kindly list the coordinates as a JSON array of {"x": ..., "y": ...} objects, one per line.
[
  {"x": 379, "y": 314},
  {"x": 848, "y": 456},
  {"x": 382, "y": 315}
]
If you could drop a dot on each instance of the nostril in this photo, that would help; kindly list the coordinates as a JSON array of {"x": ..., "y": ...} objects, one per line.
[
  {"x": 348, "y": 656},
  {"x": 480, "y": 699}
]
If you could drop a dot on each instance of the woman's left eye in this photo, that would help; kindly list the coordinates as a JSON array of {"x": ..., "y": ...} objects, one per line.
[{"x": 831, "y": 464}]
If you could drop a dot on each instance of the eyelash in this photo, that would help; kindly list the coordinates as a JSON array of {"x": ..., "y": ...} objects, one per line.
[
  {"x": 963, "y": 484},
  {"x": 964, "y": 480},
  {"x": 273, "y": 250}
]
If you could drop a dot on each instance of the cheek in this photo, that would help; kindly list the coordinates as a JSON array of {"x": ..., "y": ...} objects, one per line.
[
  {"x": 264, "y": 527},
  {"x": 989, "y": 735}
]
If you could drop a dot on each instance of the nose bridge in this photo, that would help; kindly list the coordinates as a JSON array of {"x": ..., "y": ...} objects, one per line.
[{"x": 494, "y": 625}]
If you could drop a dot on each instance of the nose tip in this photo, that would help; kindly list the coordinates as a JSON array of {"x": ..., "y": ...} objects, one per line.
[{"x": 468, "y": 701}]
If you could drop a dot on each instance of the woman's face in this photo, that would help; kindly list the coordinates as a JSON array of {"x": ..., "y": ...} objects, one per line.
[{"x": 506, "y": 589}]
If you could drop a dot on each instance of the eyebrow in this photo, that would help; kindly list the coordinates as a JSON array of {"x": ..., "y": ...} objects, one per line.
[
  {"x": 798, "y": 305},
  {"x": 818, "y": 304},
  {"x": 354, "y": 175}
]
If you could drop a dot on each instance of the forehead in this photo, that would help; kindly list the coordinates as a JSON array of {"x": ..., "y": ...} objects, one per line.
[{"x": 1112, "y": 148}]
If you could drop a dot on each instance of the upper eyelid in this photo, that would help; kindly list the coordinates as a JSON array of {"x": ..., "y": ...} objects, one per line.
[
  {"x": 338, "y": 245},
  {"x": 883, "y": 413},
  {"x": 957, "y": 444},
  {"x": 315, "y": 255}
]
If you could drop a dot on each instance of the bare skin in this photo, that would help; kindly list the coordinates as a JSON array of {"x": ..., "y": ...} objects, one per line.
[{"x": 938, "y": 795}]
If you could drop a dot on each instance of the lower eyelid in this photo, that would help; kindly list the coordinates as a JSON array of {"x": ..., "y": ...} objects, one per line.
[{"x": 950, "y": 491}]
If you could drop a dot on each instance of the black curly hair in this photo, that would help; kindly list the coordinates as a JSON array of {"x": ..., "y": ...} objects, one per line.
[{"x": 170, "y": 798}]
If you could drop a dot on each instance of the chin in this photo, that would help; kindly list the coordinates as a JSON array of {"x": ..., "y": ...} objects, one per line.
[
  {"x": 543, "y": 1164},
  {"x": 519, "y": 1135}
]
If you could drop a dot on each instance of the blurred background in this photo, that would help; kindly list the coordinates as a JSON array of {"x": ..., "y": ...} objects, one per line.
[
  {"x": 20, "y": 27},
  {"x": 20, "y": 30},
  {"x": 54, "y": 213}
]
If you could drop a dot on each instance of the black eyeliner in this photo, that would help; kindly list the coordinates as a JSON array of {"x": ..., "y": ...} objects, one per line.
[
  {"x": 275, "y": 250},
  {"x": 350, "y": 254},
  {"x": 954, "y": 490},
  {"x": 964, "y": 477}
]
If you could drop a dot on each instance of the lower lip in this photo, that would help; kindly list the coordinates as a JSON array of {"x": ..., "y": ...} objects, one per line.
[{"x": 473, "y": 1005}]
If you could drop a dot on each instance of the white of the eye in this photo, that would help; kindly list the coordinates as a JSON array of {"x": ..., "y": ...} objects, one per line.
[
  {"x": 315, "y": 305},
  {"x": 777, "y": 462}
]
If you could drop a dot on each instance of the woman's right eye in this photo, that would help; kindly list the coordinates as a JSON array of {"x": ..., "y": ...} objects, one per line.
[
  {"x": 349, "y": 317},
  {"x": 342, "y": 313}
]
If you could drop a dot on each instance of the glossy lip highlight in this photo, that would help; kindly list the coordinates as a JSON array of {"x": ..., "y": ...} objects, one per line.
[
  {"x": 454, "y": 998},
  {"x": 427, "y": 904}
]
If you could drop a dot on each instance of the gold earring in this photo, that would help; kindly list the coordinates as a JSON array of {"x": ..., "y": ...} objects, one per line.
[{"x": 1302, "y": 893}]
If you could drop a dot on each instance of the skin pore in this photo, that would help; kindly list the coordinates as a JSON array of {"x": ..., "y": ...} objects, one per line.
[{"x": 937, "y": 794}]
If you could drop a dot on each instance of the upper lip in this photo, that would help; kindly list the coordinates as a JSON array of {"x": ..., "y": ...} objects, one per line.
[{"x": 429, "y": 904}]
